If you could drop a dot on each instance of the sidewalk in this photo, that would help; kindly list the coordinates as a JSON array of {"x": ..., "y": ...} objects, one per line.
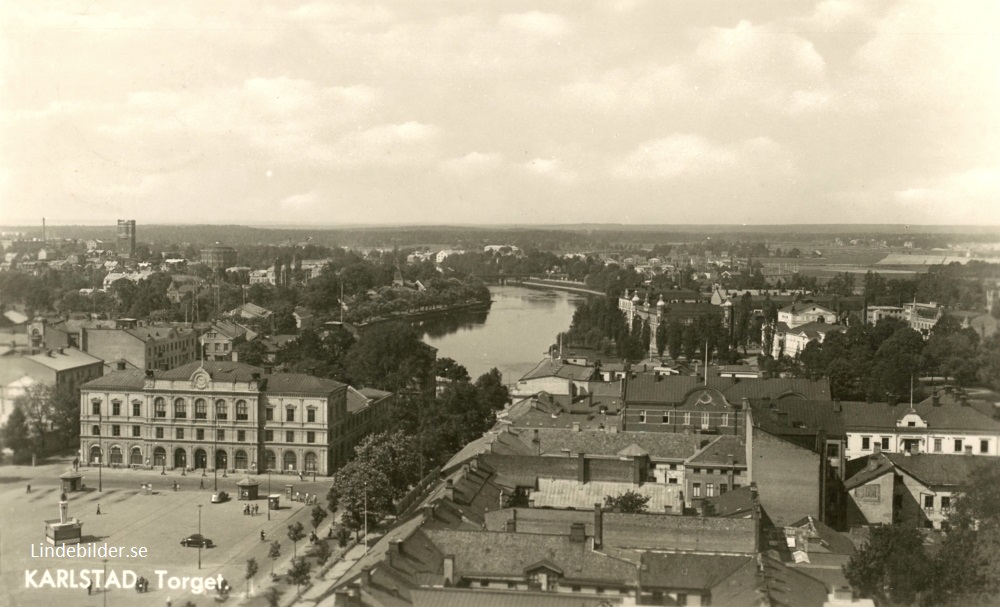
[{"x": 320, "y": 593}]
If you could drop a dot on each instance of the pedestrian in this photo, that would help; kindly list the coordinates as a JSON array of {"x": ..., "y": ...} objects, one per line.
[
  {"x": 98, "y": 510},
  {"x": 256, "y": 509},
  {"x": 169, "y": 602},
  {"x": 262, "y": 535},
  {"x": 300, "y": 477},
  {"x": 90, "y": 587},
  {"x": 202, "y": 484},
  {"x": 29, "y": 487}
]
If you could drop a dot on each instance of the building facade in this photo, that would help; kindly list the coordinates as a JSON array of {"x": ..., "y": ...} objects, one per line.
[
  {"x": 144, "y": 347},
  {"x": 218, "y": 415}
]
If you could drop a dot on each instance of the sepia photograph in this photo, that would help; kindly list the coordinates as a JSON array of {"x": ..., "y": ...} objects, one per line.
[{"x": 498, "y": 304}]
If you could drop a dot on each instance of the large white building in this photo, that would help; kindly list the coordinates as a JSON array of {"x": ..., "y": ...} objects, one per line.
[{"x": 224, "y": 415}]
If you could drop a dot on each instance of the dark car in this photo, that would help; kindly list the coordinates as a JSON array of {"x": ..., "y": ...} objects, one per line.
[
  {"x": 221, "y": 496},
  {"x": 197, "y": 541}
]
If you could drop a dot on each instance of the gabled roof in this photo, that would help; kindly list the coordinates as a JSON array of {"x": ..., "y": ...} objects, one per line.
[
  {"x": 464, "y": 597},
  {"x": 813, "y": 329},
  {"x": 118, "y": 380},
  {"x": 722, "y": 451},
  {"x": 659, "y": 445},
  {"x": 735, "y": 503},
  {"x": 869, "y": 473},
  {"x": 228, "y": 329},
  {"x": 832, "y": 541},
  {"x": 795, "y": 417},
  {"x": 946, "y": 416},
  {"x": 688, "y": 571},
  {"x": 68, "y": 358},
  {"x": 939, "y": 470},
  {"x": 300, "y": 383},
  {"x": 218, "y": 370},
  {"x": 549, "y": 368}
]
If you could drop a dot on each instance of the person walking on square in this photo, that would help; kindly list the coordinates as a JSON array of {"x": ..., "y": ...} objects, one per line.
[
  {"x": 98, "y": 510},
  {"x": 90, "y": 587},
  {"x": 202, "y": 484}
]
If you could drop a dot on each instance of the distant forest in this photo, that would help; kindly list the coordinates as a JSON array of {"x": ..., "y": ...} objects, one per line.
[{"x": 553, "y": 238}]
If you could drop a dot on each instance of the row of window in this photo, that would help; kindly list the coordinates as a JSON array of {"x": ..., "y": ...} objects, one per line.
[
  {"x": 180, "y": 409},
  {"x": 199, "y": 434},
  {"x": 937, "y": 444},
  {"x": 710, "y": 489},
  {"x": 945, "y": 503},
  {"x": 290, "y": 414},
  {"x": 668, "y": 417}
]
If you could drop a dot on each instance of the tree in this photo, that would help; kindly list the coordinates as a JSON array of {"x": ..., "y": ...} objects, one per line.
[
  {"x": 661, "y": 339},
  {"x": 249, "y": 573},
  {"x": 318, "y": 515},
  {"x": 450, "y": 370},
  {"x": 15, "y": 434},
  {"x": 397, "y": 454},
  {"x": 295, "y": 533},
  {"x": 630, "y": 502},
  {"x": 323, "y": 552},
  {"x": 299, "y": 573},
  {"x": 36, "y": 405},
  {"x": 691, "y": 341},
  {"x": 892, "y": 566},
  {"x": 273, "y": 553},
  {"x": 252, "y": 352},
  {"x": 272, "y": 596},
  {"x": 390, "y": 356},
  {"x": 989, "y": 361},
  {"x": 675, "y": 339},
  {"x": 362, "y": 488}
]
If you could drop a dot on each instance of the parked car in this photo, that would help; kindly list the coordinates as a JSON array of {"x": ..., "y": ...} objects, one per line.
[
  {"x": 221, "y": 496},
  {"x": 197, "y": 541}
]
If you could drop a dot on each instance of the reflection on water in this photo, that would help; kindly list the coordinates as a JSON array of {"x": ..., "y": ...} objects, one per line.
[{"x": 513, "y": 335}]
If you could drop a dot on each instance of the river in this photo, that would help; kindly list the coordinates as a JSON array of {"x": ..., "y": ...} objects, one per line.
[{"x": 513, "y": 335}]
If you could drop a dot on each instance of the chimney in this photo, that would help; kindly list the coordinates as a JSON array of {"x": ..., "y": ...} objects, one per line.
[
  {"x": 510, "y": 525},
  {"x": 396, "y": 546},
  {"x": 936, "y": 400},
  {"x": 120, "y": 365},
  {"x": 449, "y": 489},
  {"x": 837, "y": 407},
  {"x": 873, "y": 462},
  {"x": 638, "y": 469},
  {"x": 877, "y": 448},
  {"x": 581, "y": 467},
  {"x": 576, "y": 426},
  {"x": 149, "y": 373},
  {"x": 449, "y": 570},
  {"x": 578, "y": 533},
  {"x": 598, "y": 526},
  {"x": 62, "y": 351}
]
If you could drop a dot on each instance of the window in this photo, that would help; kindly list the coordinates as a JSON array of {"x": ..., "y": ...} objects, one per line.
[
  {"x": 95, "y": 430},
  {"x": 310, "y": 414},
  {"x": 180, "y": 408},
  {"x": 220, "y": 435},
  {"x": 929, "y": 502},
  {"x": 484, "y": 583},
  {"x": 95, "y": 407},
  {"x": 221, "y": 410},
  {"x": 136, "y": 409},
  {"x": 832, "y": 450},
  {"x": 116, "y": 430},
  {"x": 241, "y": 436},
  {"x": 937, "y": 445},
  {"x": 958, "y": 445},
  {"x": 945, "y": 502},
  {"x": 289, "y": 436},
  {"x": 159, "y": 408},
  {"x": 705, "y": 418},
  {"x": 866, "y": 443},
  {"x": 984, "y": 446},
  {"x": 116, "y": 407},
  {"x": 199, "y": 434},
  {"x": 687, "y": 419},
  {"x": 666, "y": 417},
  {"x": 310, "y": 437},
  {"x": 241, "y": 410},
  {"x": 671, "y": 481},
  {"x": 725, "y": 420},
  {"x": 642, "y": 417},
  {"x": 180, "y": 433},
  {"x": 710, "y": 490},
  {"x": 289, "y": 414},
  {"x": 136, "y": 430},
  {"x": 159, "y": 433},
  {"x": 696, "y": 490},
  {"x": 268, "y": 435},
  {"x": 723, "y": 488},
  {"x": 885, "y": 443},
  {"x": 269, "y": 414},
  {"x": 868, "y": 493},
  {"x": 200, "y": 409}
]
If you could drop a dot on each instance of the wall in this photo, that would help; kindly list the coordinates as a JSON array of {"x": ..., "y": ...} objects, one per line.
[
  {"x": 865, "y": 508},
  {"x": 787, "y": 477}
]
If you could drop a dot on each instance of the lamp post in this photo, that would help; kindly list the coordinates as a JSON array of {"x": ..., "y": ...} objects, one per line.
[
  {"x": 268, "y": 490},
  {"x": 201, "y": 540},
  {"x": 104, "y": 590},
  {"x": 215, "y": 447},
  {"x": 366, "y": 516},
  {"x": 100, "y": 447}
]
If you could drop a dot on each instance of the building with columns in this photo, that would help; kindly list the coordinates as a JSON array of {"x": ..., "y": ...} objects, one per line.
[{"x": 221, "y": 415}]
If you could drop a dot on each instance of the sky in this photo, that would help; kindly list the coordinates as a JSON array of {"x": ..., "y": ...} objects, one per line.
[{"x": 502, "y": 112}]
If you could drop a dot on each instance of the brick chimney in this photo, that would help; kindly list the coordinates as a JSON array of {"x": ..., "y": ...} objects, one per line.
[
  {"x": 598, "y": 526},
  {"x": 449, "y": 489},
  {"x": 578, "y": 533},
  {"x": 449, "y": 570},
  {"x": 396, "y": 546},
  {"x": 581, "y": 467}
]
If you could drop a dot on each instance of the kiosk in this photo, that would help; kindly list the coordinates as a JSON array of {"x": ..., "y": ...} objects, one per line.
[
  {"x": 71, "y": 481},
  {"x": 248, "y": 488}
]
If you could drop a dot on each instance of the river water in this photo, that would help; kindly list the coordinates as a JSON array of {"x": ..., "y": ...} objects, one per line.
[{"x": 513, "y": 335}]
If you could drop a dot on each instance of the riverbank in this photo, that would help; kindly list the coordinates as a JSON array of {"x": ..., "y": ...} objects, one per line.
[
  {"x": 428, "y": 313},
  {"x": 563, "y": 285}
]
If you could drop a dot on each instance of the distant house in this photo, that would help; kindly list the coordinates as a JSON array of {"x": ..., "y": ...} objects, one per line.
[
  {"x": 250, "y": 311},
  {"x": 304, "y": 318},
  {"x": 792, "y": 341},
  {"x": 222, "y": 339}
]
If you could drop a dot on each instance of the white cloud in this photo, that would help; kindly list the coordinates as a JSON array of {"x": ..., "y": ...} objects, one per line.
[
  {"x": 472, "y": 163},
  {"x": 687, "y": 155},
  {"x": 298, "y": 201},
  {"x": 551, "y": 168},
  {"x": 536, "y": 22}
]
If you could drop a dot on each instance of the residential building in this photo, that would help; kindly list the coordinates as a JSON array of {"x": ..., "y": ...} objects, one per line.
[
  {"x": 803, "y": 313},
  {"x": 251, "y": 421},
  {"x": 555, "y": 377},
  {"x": 55, "y": 367},
  {"x": 144, "y": 347},
  {"x": 922, "y": 317},
  {"x": 222, "y": 338},
  {"x": 250, "y": 311},
  {"x": 877, "y": 313},
  {"x": 792, "y": 341}
]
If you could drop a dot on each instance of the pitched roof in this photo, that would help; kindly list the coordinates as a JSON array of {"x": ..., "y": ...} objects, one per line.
[
  {"x": 550, "y": 368},
  {"x": 720, "y": 452},
  {"x": 487, "y": 553},
  {"x": 946, "y": 416},
  {"x": 69, "y": 358},
  {"x": 218, "y": 370},
  {"x": 566, "y": 493},
  {"x": 813, "y": 329},
  {"x": 779, "y": 388},
  {"x": 692, "y": 571},
  {"x": 124, "y": 380},
  {"x": 828, "y": 539},
  {"x": 300, "y": 383},
  {"x": 659, "y": 445},
  {"x": 789, "y": 417},
  {"x": 936, "y": 469},
  {"x": 871, "y": 472},
  {"x": 464, "y": 597},
  {"x": 738, "y": 502},
  {"x": 648, "y": 388},
  {"x": 228, "y": 329}
]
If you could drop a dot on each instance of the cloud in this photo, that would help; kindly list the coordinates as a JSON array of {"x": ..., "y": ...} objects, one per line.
[
  {"x": 537, "y": 23},
  {"x": 472, "y": 163},
  {"x": 551, "y": 168},
  {"x": 298, "y": 201},
  {"x": 686, "y": 155},
  {"x": 971, "y": 196}
]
